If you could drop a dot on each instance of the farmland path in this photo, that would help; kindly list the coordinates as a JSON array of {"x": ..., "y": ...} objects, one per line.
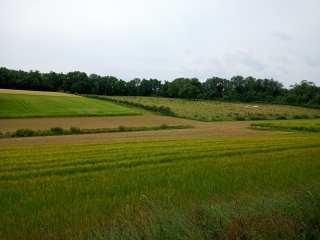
[{"x": 200, "y": 129}]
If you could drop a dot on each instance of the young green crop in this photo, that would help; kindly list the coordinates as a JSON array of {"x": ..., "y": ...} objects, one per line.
[
  {"x": 75, "y": 190},
  {"x": 297, "y": 125},
  {"x": 27, "y": 105}
]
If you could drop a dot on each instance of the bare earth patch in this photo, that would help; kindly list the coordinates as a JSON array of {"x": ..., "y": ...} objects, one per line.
[{"x": 201, "y": 129}]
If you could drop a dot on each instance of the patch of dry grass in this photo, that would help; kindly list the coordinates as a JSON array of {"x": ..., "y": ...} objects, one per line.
[{"x": 222, "y": 111}]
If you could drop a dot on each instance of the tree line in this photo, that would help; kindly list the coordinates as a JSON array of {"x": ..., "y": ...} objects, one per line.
[{"x": 238, "y": 88}]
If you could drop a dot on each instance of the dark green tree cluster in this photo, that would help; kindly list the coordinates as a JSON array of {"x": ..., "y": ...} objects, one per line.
[{"x": 238, "y": 88}]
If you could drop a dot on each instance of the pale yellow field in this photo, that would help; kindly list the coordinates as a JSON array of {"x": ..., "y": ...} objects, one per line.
[
  {"x": 221, "y": 111},
  {"x": 13, "y": 91}
]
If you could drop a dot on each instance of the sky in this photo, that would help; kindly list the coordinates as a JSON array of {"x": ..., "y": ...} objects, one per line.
[{"x": 164, "y": 39}]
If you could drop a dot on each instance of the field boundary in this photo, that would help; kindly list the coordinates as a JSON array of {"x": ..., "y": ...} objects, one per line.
[
  {"x": 56, "y": 131},
  {"x": 198, "y": 130}
]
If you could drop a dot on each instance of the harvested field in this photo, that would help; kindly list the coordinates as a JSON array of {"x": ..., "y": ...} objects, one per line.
[
  {"x": 201, "y": 129},
  {"x": 11, "y": 125}
]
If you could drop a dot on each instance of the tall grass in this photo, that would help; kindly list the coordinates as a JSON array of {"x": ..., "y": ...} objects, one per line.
[
  {"x": 78, "y": 191},
  {"x": 282, "y": 216},
  {"x": 218, "y": 111}
]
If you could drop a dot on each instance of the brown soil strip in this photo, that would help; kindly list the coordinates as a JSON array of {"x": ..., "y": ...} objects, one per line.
[
  {"x": 201, "y": 129},
  {"x": 11, "y": 125}
]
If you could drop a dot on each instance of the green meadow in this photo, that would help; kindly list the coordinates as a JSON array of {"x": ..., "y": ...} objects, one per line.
[
  {"x": 156, "y": 189},
  {"x": 27, "y": 105}
]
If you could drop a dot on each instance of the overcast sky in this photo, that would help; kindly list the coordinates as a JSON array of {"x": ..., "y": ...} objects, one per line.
[{"x": 164, "y": 39}]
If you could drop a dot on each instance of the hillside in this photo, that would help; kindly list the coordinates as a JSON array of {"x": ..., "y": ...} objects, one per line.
[{"x": 25, "y": 104}]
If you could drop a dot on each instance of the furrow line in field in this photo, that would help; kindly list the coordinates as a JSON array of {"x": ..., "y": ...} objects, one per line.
[{"x": 101, "y": 165}]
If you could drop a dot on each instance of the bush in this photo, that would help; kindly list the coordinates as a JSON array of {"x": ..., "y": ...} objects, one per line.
[
  {"x": 257, "y": 117},
  {"x": 305, "y": 116},
  {"x": 281, "y": 117},
  {"x": 164, "y": 126},
  {"x": 122, "y": 128},
  {"x": 23, "y": 133},
  {"x": 56, "y": 130},
  {"x": 239, "y": 118},
  {"x": 74, "y": 130},
  {"x": 296, "y": 117}
]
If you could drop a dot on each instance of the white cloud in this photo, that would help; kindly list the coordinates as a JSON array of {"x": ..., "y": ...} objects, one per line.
[{"x": 282, "y": 35}]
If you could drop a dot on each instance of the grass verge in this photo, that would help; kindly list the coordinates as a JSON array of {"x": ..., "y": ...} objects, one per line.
[
  {"x": 73, "y": 130},
  {"x": 297, "y": 126}
]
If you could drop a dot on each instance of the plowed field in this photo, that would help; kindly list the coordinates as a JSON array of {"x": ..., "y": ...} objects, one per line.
[{"x": 200, "y": 129}]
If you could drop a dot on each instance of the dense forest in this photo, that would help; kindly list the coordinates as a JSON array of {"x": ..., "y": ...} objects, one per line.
[{"x": 237, "y": 89}]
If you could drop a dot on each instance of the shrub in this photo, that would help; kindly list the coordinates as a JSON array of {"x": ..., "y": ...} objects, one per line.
[
  {"x": 74, "y": 130},
  {"x": 56, "y": 130},
  {"x": 296, "y": 117},
  {"x": 305, "y": 116},
  {"x": 239, "y": 118},
  {"x": 281, "y": 117},
  {"x": 164, "y": 126},
  {"x": 122, "y": 128},
  {"x": 261, "y": 117},
  {"x": 23, "y": 133}
]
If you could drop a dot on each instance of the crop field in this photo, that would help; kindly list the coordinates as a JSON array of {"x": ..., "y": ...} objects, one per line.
[
  {"x": 299, "y": 126},
  {"x": 76, "y": 191},
  {"x": 224, "y": 111},
  {"x": 197, "y": 130},
  {"x": 37, "y": 93},
  {"x": 22, "y": 104},
  {"x": 216, "y": 180}
]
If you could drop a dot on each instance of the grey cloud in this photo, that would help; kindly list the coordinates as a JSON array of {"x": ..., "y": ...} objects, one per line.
[
  {"x": 284, "y": 70},
  {"x": 285, "y": 60},
  {"x": 311, "y": 61},
  {"x": 282, "y": 35},
  {"x": 247, "y": 59}
]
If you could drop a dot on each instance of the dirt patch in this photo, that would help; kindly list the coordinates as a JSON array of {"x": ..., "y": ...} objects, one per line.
[
  {"x": 11, "y": 125},
  {"x": 201, "y": 129}
]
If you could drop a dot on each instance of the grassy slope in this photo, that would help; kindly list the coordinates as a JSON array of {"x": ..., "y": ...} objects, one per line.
[
  {"x": 73, "y": 190},
  {"x": 27, "y": 105},
  {"x": 222, "y": 111}
]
